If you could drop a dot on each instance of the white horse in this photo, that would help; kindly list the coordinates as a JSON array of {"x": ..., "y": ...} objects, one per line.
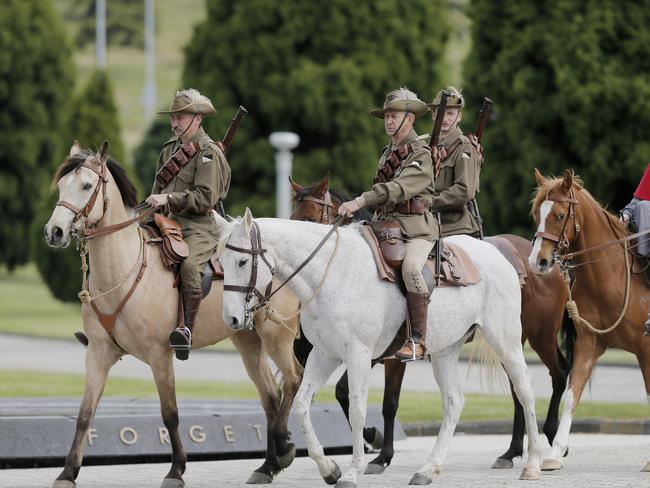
[{"x": 351, "y": 317}]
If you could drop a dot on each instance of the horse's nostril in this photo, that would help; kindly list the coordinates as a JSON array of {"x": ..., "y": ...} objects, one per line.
[
  {"x": 543, "y": 263},
  {"x": 57, "y": 233},
  {"x": 235, "y": 322}
]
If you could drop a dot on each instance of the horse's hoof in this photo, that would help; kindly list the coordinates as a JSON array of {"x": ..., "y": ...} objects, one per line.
[
  {"x": 334, "y": 476},
  {"x": 64, "y": 484},
  {"x": 420, "y": 479},
  {"x": 285, "y": 460},
  {"x": 258, "y": 478},
  {"x": 374, "y": 469},
  {"x": 566, "y": 453},
  {"x": 646, "y": 468},
  {"x": 172, "y": 483},
  {"x": 346, "y": 484},
  {"x": 530, "y": 474},
  {"x": 551, "y": 464},
  {"x": 503, "y": 463}
]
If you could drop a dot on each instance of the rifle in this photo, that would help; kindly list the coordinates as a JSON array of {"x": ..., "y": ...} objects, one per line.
[
  {"x": 483, "y": 116},
  {"x": 235, "y": 122},
  {"x": 435, "y": 138}
]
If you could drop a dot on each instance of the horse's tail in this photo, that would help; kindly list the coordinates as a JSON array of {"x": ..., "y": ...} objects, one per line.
[
  {"x": 567, "y": 342},
  {"x": 301, "y": 348},
  {"x": 493, "y": 376}
]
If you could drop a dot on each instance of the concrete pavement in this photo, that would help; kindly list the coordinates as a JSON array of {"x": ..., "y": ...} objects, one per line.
[
  {"x": 608, "y": 384},
  {"x": 595, "y": 461}
]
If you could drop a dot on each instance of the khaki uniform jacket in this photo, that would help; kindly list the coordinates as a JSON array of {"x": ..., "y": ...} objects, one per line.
[
  {"x": 456, "y": 185},
  {"x": 198, "y": 186},
  {"x": 414, "y": 177}
]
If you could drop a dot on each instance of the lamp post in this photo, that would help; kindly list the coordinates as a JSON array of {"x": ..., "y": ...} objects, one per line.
[
  {"x": 100, "y": 33},
  {"x": 284, "y": 142}
]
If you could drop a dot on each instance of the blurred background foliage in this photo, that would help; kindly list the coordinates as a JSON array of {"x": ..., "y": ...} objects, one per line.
[{"x": 570, "y": 88}]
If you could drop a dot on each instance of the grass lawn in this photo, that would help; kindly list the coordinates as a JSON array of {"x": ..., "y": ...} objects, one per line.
[{"x": 414, "y": 406}]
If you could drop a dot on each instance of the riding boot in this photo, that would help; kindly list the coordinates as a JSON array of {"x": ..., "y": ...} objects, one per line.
[
  {"x": 413, "y": 348},
  {"x": 180, "y": 340}
]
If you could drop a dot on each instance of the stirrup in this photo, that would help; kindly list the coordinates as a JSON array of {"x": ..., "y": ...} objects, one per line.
[
  {"x": 180, "y": 340},
  {"x": 408, "y": 359}
]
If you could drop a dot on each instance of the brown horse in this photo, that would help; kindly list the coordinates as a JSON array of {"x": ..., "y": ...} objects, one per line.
[
  {"x": 543, "y": 299},
  {"x": 148, "y": 313},
  {"x": 576, "y": 230}
]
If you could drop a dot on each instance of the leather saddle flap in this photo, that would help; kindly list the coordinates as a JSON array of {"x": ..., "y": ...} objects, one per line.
[
  {"x": 509, "y": 251},
  {"x": 457, "y": 267},
  {"x": 386, "y": 273},
  {"x": 217, "y": 269}
]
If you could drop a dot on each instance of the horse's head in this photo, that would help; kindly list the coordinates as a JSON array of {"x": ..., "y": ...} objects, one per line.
[
  {"x": 248, "y": 268},
  {"x": 81, "y": 180},
  {"x": 554, "y": 211},
  {"x": 314, "y": 203}
]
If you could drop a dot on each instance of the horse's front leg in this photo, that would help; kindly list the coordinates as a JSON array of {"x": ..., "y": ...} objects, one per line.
[
  {"x": 163, "y": 373},
  {"x": 393, "y": 377},
  {"x": 445, "y": 370},
  {"x": 358, "y": 360},
  {"x": 255, "y": 361},
  {"x": 100, "y": 357},
  {"x": 317, "y": 371}
]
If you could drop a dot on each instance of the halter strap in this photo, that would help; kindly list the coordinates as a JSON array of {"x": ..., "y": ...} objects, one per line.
[
  {"x": 101, "y": 185},
  {"x": 325, "y": 202},
  {"x": 561, "y": 241}
]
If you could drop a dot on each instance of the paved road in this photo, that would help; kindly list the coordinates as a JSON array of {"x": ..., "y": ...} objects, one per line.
[
  {"x": 595, "y": 461},
  {"x": 609, "y": 383}
]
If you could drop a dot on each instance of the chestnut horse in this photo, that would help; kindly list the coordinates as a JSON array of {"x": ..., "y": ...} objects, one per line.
[
  {"x": 149, "y": 313},
  {"x": 543, "y": 299},
  {"x": 574, "y": 229}
]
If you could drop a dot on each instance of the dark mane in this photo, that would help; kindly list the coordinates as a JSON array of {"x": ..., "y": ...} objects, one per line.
[{"x": 127, "y": 189}]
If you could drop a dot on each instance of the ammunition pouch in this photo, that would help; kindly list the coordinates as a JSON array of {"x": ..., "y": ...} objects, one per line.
[
  {"x": 175, "y": 163},
  {"x": 391, "y": 242},
  {"x": 174, "y": 249},
  {"x": 413, "y": 206},
  {"x": 392, "y": 163}
]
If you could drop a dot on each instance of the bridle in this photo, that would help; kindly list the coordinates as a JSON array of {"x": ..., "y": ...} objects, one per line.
[
  {"x": 561, "y": 241},
  {"x": 256, "y": 250},
  {"x": 325, "y": 202},
  {"x": 91, "y": 231},
  {"x": 101, "y": 186}
]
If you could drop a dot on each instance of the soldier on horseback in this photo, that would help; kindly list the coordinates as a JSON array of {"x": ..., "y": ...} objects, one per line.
[
  {"x": 458, "y": 166},
  {"x": 189, "y": 195},
  {"x": 402, "y": 192}
]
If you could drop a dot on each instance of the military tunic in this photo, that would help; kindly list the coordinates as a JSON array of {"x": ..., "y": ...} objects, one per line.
[
  {"x": 193, "y": 193},
  {"x": 456, "y": 185},
  {"x": 414, "y": 177}
]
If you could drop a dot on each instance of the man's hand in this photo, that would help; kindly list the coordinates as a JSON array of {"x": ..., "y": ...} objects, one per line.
[
  {"x": 157, "y": 200},
  {"x": 348, "y": 208},
  {"x": 625, "y": 218}
]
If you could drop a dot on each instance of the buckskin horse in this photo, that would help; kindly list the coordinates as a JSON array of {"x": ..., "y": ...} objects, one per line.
[
  {"x": 609, "y": 300},
  {"x": 542, "y": 315},
  {"x": 352, "y": 324},
  {"x": 129, "y": 279}
]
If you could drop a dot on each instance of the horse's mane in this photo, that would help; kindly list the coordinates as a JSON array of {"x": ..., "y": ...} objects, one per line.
[
  {"x": 127, "y": 189},
  {"x": 550, "y": 184}
]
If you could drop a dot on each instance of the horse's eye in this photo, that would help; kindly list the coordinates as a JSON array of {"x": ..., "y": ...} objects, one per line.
[
  {"x": 87, "y": 187},
  {"x": 560, "y": 216},
  {"x": 311, "y": 219},
  {"x": 242, "y": 262}
]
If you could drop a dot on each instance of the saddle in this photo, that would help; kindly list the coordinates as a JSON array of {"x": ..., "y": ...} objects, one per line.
[
  {"x": 167, "y": 235},
  {"x": 457, "y": 267},
  {"x": 509, "y": 251}
]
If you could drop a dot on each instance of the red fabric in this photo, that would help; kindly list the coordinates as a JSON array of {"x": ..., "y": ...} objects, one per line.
[{"x": 643, "y": 190}]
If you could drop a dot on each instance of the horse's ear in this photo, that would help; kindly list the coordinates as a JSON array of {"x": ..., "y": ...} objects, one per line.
[
  {"x": 567, "y": 182},
  {"x": 75, "y": 148},
  {"x": 102, "y": 152},
  {"x": 539, "y": 178},
  {"x": 221, "y": 222},
  {"x": 248, "y": 219},
  {"x": 295, "y": 186},
  {"x": 323, "y": 186}
]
